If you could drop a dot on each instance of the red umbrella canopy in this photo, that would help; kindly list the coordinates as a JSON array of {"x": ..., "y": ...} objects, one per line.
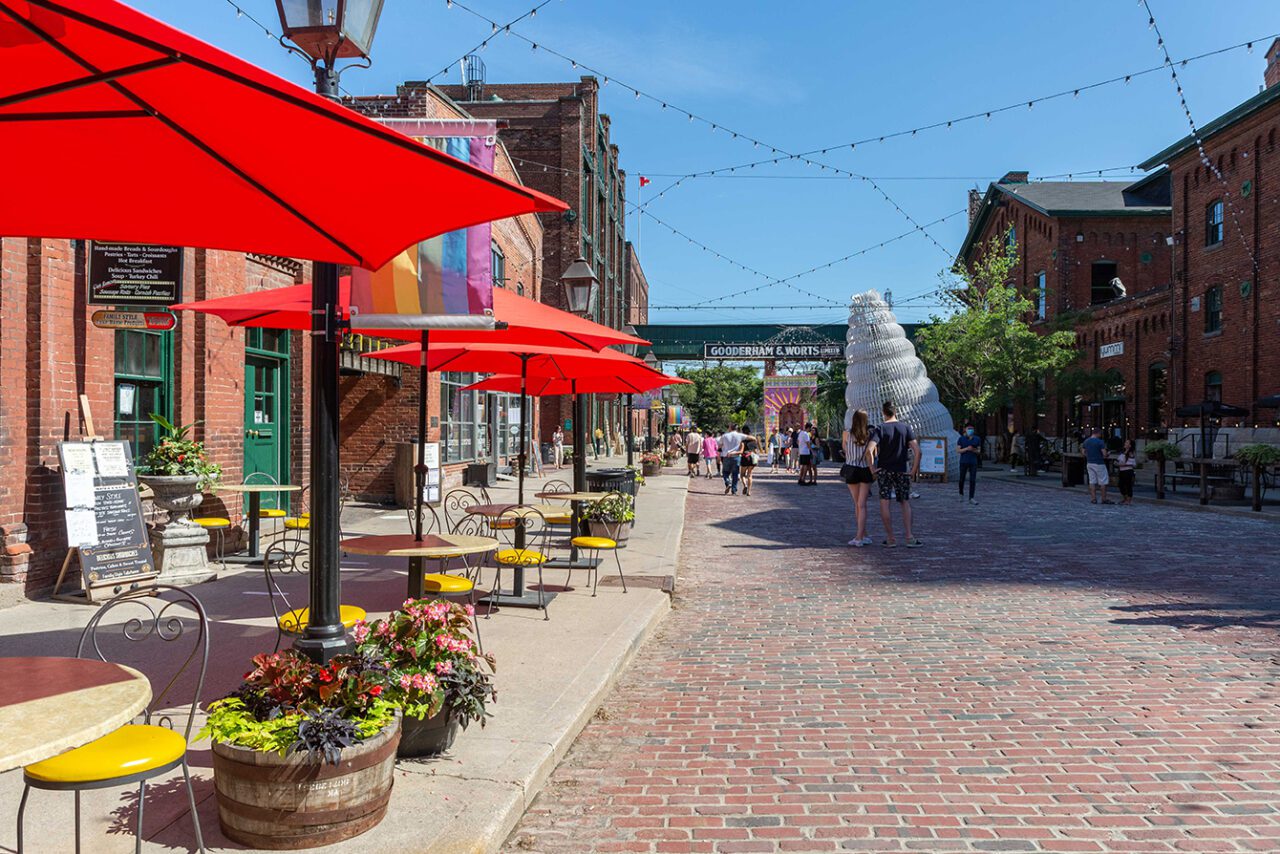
[
  {"x": 560, "y": 363},
  {"x": 627, "y": 379},
  {"x": 126, "y": 115},
  {"x": 530, "y": 323}
]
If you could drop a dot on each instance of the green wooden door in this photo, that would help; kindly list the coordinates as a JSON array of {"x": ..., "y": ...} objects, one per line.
[{"x": 264, "y": 428}]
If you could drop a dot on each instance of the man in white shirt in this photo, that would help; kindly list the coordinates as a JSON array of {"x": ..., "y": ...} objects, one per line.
[
  {"x": 730, "y": 458},
  {"x": 693, "y": 450},
  {"x": 805, "y": 445}
]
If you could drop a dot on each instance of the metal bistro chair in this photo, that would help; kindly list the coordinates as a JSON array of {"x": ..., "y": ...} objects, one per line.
[
  {"x": 290, "y": 620},
  {"x": 134, "y": 753},
  {"x": 594, "y": 545},
  {"x": 533, "y": 525},
  {"x": 272, "y": 514},
  {"x": 455, "y": 504},
  {"x": 296, "y": 527},
  {"x": 445, "y": 585}
]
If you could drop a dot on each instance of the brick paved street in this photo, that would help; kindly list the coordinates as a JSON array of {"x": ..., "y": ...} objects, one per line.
[{"x": 1044, "y": 675}]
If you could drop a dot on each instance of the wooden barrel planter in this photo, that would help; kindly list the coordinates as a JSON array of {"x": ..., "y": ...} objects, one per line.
[{"x": 266, "y": 800}]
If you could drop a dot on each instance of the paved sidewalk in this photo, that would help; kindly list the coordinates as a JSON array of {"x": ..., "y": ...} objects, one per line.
[
  {"x": 552, "y": 676},
  {"x": 1044, "y": 675}
]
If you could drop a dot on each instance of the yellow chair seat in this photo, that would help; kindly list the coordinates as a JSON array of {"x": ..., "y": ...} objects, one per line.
[
  {"x": 212, "y": 522},
  {"x": 129, "y": 750},
  {"x": 521, "y": 557},
  {"x": 594, "y": 543},
  {"x": 502, "y": 524},
  {"x": 437, "y": 582},
  {"x": 295, "y": 621},
  {"x": 298, "y": 523},
  {"x": 559, "y": 519},
  {"x": 272, "y": 513}
]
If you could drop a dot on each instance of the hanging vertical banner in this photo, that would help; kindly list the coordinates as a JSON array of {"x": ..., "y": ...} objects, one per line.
[{"x": 448, "y": 276}]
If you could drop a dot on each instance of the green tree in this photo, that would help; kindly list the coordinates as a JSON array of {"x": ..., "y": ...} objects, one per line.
[
  {"x": 829, "y": 404},
  {"x": 720, "y": 395},
  {"x": 987, "y": 354}
]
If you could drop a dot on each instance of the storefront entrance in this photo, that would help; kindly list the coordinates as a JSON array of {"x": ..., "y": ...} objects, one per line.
[{"x": 266, "y": 409}]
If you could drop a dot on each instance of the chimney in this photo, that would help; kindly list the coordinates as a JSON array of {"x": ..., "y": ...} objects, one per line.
[
  {"x": 1015, "y": 178},
  {"x": 1272, "y": 74},
  {"x": 975, "y": 204}
]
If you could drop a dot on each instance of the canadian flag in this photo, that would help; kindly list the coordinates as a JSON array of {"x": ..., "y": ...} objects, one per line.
[{"x": 644, "y": 180}]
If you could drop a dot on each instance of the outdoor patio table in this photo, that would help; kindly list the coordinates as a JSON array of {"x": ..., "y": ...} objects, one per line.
[
  {"x": 517, "y": 597},
  {"x": 439, "y": 547},
  {"x": 254, "y": 491},
  {"x": 573, "y": 561},
  {"x": 50, "y": 705}
]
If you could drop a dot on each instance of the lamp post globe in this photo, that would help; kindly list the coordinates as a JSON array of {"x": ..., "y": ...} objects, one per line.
[
  {"x": 330, "y": 29},
  {"x": 580, "y": 285}
]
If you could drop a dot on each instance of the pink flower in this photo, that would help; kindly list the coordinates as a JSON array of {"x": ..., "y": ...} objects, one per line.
[
  {"x": 470, "y": 609},
  {"x": 443, "y": 667},
  {"x": 405, "y": 681},
  {"x": 360, "y": 631}
]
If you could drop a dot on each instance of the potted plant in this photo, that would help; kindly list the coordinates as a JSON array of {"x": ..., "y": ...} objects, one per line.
[
  {"x": 436, "y": 677},
  {"x": 650, "y": 464},
  {"x": 303, "y": 753},
  {"x": 1257, "y": 457},
  {"x": 612, "y": 517},
  {"x": 639, "y": 478},
  {"x": 1161, "y": 452},
  {"x": 177, "y": 469}
]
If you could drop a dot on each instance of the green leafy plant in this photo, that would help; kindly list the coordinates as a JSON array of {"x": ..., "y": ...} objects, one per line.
[
  {"x": 433, "y": 662},
  {"x": 1257, "y": 455},
  {"x": 1162, "y": 451},
  {"x": 289, "y": 703},
  {"x": 177, "y": 455},
  {"x": 616, "y": 507}
]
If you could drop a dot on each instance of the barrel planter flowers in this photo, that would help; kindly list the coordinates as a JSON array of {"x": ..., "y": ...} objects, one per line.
[
  {"x": 437, "y": 676},
  {"x": 651, "y": 465},
  {"x": 612, "y": 517},
  {"x": 303, "y": 753}
]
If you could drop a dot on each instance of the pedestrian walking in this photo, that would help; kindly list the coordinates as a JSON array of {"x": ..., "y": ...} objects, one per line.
[
  {"x": 693, "y": 450},
  {"x": 750, "y": 458},
  {"x": 856, "y": 472},
  {"x": 557, "y": 447},
  {"x": 730, "y": 459},
  {"x": 793, "y": 449},
  {"x": 1095, "y": 458},
  {"x": 804, "y": 448},
  {"x": 1126, "y": 464},
  {"x": 890, "y": 448},
  {"x": 775, "y": 450},
  {"x": 711, "y": 452},
  {"x": 969, "y": 450},
  {"x": 599, "y": 438}
]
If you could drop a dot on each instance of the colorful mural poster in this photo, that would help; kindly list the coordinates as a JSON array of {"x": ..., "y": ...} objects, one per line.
[{"x": 787, "y": 400}]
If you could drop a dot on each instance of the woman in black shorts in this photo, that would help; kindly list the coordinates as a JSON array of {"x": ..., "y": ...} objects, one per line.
[
  {"x": 856, "y": 472},
  {"x": 750, "y": 458}
]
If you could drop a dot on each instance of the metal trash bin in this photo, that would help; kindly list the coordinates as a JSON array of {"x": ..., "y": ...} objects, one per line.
[
  {"x": 612, "y": 480},
  {"x": 1072, "y": 469}
]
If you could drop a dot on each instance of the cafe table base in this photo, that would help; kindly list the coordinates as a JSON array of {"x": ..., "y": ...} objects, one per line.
[
  {"x": 519, "y": 596},
  {"x": 573, "y": 562}
]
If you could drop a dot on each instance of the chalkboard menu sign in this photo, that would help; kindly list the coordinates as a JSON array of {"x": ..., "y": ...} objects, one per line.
[
  {"x": 134, "y": 274},
  {"x": 104, "y": 513}
]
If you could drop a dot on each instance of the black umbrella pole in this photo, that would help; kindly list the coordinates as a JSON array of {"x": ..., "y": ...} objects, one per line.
[
  {"x": 630, "y": 438},
  {"x": 325, "y": 635},
  {"x": 579, "y": 449},
  {"x": 417, "y": 565}
]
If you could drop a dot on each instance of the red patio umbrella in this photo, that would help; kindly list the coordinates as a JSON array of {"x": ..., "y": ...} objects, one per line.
[
  {"x": 113, "y": 109},
  {"x": 626, "y": 380}
]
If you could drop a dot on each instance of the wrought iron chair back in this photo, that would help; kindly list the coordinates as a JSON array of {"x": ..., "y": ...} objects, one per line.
[
  {"x": 456, "y": 502},
  {"x": 556, "y": 486},
  {"x": 261, "y": 477},
  {"x": 296, "y": 564},
  {"x": 174, "y": 619},
  {"x": 528, "y": 525}
]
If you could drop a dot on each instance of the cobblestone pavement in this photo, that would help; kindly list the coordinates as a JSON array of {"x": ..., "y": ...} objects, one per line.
[{"x": 1044, "y": 675}]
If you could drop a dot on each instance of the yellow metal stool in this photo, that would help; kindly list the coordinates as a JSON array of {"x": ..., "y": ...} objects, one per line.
[
  {"x": 220, "y": 524},
  {"x": 593, "y": 546}
]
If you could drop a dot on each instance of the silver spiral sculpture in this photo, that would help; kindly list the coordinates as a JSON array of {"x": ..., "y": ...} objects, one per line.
[{"x": 883, "y": 365}]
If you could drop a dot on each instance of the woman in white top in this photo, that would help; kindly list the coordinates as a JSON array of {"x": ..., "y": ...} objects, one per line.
[
  {"x": 557, "y": 446},
  {"x": 856, "y": 472},
  {"x": 1126, "y": 462}
]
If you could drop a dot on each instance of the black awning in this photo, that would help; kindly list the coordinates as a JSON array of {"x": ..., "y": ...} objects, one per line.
[{"x": 1211, "y": 409}]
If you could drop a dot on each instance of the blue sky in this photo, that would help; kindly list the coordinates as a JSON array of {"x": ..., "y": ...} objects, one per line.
[{"x": 800, "y": 76}]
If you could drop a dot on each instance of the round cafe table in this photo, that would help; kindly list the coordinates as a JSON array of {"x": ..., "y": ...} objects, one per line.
[
  {"x": 50, "y": 705},
  {"x": 254, "y": 491},
  {"x": 439, "y": 547}
]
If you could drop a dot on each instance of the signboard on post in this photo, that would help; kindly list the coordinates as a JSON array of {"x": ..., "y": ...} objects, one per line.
[
  {"x": 822, "y": 350},
  {"x": 134, "y": 274},
  {"x": 104, "y": 519},
  {"x": 933, "y": 456},
  {"x": 431, "y": 486}
]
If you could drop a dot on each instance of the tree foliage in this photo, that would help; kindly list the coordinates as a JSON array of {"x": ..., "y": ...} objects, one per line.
[
  {"x": 721, "y": 395},
  {"x": 987, "y": 354}
]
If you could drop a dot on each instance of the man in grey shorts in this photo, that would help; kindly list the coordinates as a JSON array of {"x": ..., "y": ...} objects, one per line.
[{"x": 889, "y": 449}]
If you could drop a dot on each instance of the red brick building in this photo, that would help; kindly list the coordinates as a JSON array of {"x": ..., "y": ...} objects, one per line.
[
  {"x": 246, "y": 391},
  {"x": 1074, "y": 238}
]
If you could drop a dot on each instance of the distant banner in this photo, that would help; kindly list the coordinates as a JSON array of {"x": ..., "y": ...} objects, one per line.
[
  {"x": 448, "y": 275},
  {"x": 818, "y": 350}
]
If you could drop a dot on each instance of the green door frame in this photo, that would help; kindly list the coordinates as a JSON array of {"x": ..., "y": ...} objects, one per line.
[{"x": 256, "y": 346}]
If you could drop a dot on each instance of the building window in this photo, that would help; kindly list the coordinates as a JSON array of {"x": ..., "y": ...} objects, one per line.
[
  {"x": 1100, "y": 289},
  {"x": 499, "y": 264},
  {"x": 1213, "y": 223},
  {"x": 458, "y": 420},
  {"x": 1213, "y": 386},
  {"x": 143, "y": 385},
  {"x": 1213, "y": 310},
  {"x": 1011, "y": 239},
  {"x": 1157, "y": 388},
  {"x": 1042, "y": 297}
]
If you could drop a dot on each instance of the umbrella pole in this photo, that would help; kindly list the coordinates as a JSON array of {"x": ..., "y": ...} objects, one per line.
[
  {"x": 416, "y": 565},
  {"x": 521, "y": 459},
  {"x": 325, "y": 636},
  {"x": 630, "y": 438}
]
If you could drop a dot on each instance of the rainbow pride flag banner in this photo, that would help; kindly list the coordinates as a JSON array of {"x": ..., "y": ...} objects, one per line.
[{"x": 443, "y": 282}]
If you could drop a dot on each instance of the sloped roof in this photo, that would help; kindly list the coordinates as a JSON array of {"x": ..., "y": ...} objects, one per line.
[{"x": 1222, "y": 122}]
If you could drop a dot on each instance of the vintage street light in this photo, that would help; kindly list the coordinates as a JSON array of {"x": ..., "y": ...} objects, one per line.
[
  {"x": 580, "y": 286},
  {"x": 631, "y": 350},
  {"x": 325, "y": 31}
]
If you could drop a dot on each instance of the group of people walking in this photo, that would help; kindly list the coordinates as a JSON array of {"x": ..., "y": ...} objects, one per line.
[{"x": 735, "y": 453}]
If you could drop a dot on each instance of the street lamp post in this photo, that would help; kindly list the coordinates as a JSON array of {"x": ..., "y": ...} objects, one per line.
[
  {"x": 580, "y": 285},
  {"x": 630, "y": 350},
  {"x": 652, "y": 361},
  {"x": 325, "y": 31}
]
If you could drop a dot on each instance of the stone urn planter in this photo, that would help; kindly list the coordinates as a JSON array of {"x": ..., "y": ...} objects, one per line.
[
  {"x": 179, "y": 494},
  {"x": 428, "y": 736},
  {"x": 266, "y": 800}
]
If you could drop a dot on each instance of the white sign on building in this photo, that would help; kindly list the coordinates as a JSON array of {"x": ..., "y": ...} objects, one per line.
[{"x": 1114, "y": 349}]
